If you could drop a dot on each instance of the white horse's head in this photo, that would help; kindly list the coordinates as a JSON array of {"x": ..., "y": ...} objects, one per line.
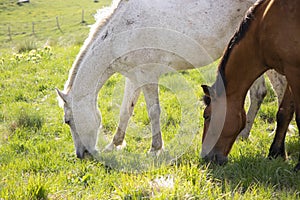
[{"x": 83, "y": 145}]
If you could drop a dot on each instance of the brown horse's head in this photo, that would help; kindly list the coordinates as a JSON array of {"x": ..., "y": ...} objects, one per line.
[
  {"x": 223, "y": 121},
  {"x": 207, "y": 112}
]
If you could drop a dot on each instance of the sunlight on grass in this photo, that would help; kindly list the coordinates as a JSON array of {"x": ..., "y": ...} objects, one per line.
[
  {"x": 37, "y": 158},
  {"x": 37, "y": 154}
]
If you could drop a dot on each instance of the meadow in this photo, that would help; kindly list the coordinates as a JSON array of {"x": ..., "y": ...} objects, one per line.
[{"x": 37, "y": 158}]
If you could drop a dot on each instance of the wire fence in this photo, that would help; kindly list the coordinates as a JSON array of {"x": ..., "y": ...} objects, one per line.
[{"x": 11, "y": 30}]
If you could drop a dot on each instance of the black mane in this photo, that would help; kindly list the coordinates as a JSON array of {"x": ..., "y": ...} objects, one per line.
[{"x": 237, "y": 37}]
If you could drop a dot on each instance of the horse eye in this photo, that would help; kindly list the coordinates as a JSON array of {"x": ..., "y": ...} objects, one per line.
[
  {"x": 206, "y": 117},
  {"x": 67, "y": 121}
]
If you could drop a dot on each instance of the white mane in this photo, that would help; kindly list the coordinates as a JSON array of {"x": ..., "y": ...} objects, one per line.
[
  {"x": 105, "y": 12},
  {"x": 101, "y": 18}
]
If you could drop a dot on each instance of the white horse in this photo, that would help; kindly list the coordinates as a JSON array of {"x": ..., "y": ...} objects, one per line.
[{"x": 142, "y": 40}]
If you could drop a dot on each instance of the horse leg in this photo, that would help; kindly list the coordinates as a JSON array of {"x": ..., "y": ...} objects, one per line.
[
  {"x": 131, "y": 95},
  {"x": 297, "y": 168},
  {"x": 153, "y": 108},
  {"x": 283, "y": 118},
  {"x": 279, "y": 84},
  {"x": 292, "y": 76},
  {"x": 284, "y": 114},
  {"x": 258, "y": 92}
]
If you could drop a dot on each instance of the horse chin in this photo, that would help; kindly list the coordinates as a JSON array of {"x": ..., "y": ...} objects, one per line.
[{"x": 217, "y": 158}]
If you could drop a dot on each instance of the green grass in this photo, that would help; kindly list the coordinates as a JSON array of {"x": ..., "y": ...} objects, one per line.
[
  {"x": 20, "y": 19},
  {"x": 37, "y": 159}
]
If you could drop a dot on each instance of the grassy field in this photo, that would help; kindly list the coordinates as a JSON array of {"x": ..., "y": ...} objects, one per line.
[
  {"x": 37, "y": 159},
  {"x": 36, "y": 22}
]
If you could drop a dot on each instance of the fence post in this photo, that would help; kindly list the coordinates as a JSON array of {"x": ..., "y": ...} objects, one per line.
[
  {"x": 57, "y": 24},
  {"x": 33, "y": 32},
  {"x": 82, "y": 17},
  {"x": 9, "y": 33}
]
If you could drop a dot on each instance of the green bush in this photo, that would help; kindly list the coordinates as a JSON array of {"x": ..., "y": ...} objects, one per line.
[
  {"x": 36, "y": 190},
  {"x": 26, "y": 46},
  {"x": 26, "y": 118}
]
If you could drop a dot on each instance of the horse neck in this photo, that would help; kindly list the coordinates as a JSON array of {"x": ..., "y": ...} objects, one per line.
[
  {"x": 242, "y": 70},
  {"x": 242, "y": 62},
  {"x": 86, "y": 58}
]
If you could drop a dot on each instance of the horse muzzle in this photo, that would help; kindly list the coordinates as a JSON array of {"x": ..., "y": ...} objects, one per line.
[
  {"x": 217, "y": 158},
  {"x": 82, "y": 153}
]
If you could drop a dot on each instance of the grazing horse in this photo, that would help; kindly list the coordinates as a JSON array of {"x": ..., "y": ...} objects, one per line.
[
  {"x": 268, "y": 38},
  {"x": 130, "y": 38}
]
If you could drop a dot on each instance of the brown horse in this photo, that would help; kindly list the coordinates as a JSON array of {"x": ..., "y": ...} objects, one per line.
[{"x": 268, "y": 38}]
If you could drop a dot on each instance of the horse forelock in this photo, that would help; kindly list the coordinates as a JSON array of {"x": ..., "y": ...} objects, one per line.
[
  {"x": 220, "y": 83},
  {"x": 102, "y": 18}
]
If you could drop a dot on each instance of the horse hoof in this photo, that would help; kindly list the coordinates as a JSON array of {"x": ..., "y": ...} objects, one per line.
[
  {"x": 244, "y": 135},
  {"x": 275, "y": 152},
  {"x": 297, "y": 168},
  {"x": 111, "y": 146},
  {"x": 155, "y": 152},
  {"x": 122, "y": 146}
]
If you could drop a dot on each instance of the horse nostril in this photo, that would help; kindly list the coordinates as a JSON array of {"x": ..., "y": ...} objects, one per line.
[
  {"x": 79, "y": 155},
  {"x": 67, "y": 122},
  {"x": 220, "y": 159},
  {"x": 83, "y": 154}
]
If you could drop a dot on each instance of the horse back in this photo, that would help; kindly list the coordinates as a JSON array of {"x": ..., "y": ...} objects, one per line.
[{"x": 279, "y": 33}]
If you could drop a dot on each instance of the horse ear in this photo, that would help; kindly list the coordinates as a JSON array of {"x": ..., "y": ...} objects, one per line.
[
  {"x": 209, "y": 91},
  {"x": 62, "y": 95},
  {"x": 206, "y": 89}
]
